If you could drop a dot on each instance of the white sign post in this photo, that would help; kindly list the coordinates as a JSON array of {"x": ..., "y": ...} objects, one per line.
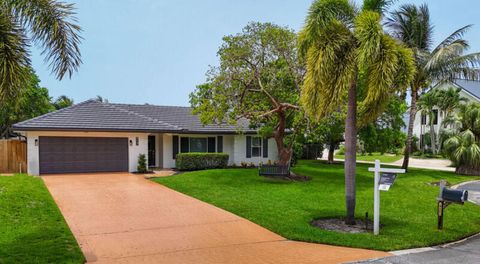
[{"x": 376, "y": 192}]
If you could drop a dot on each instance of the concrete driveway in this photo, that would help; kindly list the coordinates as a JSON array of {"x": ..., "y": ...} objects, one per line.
[{"x": 123, "y": 218}]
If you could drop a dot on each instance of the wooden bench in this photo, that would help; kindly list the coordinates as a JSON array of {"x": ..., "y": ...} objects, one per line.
[{"x": 274, "y": 170}]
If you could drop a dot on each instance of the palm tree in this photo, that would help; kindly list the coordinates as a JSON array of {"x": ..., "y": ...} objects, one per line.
[
  {"x": 463, "y": 147},
  {"x": 447, "y": 61},
  {"x": 344, "y": 50},
  {"x": 51, "y": 25},
  {"x": 62, "y": 101},
  {"x": 426, "y": 105},
  {"x": 449, "y": 100}
]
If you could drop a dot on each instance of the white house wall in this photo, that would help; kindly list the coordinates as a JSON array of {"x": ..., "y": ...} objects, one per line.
[
  {"x": 419, "y": 129},
  {"x": 233, "y": 145},
  {"x": 240, "y": 150},
  {"x": 133, "y": 151}
]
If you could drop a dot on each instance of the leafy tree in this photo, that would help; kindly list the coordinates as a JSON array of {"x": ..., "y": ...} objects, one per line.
[
  {"x": 463, "y": 147},
  {"x": 411, "y": 25},
  {"x": 329, "y": 131},
  {"x": 259, "y": 79},
  {"x": 62, "y": 101},
  {"x": 344, "y": 48},
  {"x": 50, "y": 24},
  {"x": 32, "y": 101},
  {"x": 385, "y": 134}
]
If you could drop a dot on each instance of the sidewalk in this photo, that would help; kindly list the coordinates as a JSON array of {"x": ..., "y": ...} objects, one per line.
[{"x": 431, "y": 164}]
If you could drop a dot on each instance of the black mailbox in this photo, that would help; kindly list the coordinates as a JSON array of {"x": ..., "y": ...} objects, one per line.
[{"x": 456, "y": 196}]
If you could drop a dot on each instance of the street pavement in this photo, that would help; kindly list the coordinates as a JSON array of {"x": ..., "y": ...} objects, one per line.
[{"x": 465, "y": 252}]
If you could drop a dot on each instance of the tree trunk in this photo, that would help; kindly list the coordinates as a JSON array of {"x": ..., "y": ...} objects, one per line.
[
  {"x": 284, "y": 153},
  {"x": 331, "y": 151},
  {"x": 411, "y": 121},
  {"x": 432, "y": 136},
  {"x": 351, "y": 153}
]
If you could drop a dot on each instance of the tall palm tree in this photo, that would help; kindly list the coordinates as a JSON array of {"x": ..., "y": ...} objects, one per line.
[
  {"x": 463, "y": 147},
  {"x": 447, "y": 61},
  {"x": 345, "y": 50},
  {"x": 426, "y": 105},
  {"x": 49, "y": 24}
]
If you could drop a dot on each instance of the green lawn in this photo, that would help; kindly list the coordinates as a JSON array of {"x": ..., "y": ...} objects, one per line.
[
  {"x": 408, "y": 210},
  {"x": 32, "y": 229},
  {"x": 383, "y": 158}
]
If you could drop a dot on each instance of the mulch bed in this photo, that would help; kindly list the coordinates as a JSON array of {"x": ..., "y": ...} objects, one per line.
[
  {"x": 292, "y": 177},
  {"x": 338, "y": 225}
]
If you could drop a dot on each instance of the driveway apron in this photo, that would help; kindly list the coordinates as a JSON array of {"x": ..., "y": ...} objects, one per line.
[{"x": 124, "y": 218}]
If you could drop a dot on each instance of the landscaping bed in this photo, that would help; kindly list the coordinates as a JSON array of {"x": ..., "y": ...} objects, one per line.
[
  {"x": 32, "y": 229},
  {"x": 408, "y": 210}
]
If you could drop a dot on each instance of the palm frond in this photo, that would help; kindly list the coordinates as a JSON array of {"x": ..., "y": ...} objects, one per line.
[
  {"x": 411, "y": 25},
  {"x": 14, "y": 60},
  {"x": 320, "y": 15},
  {"x": 54, "y": 28},
  {"x": 330, "y": 70},
  {"x": 455, "y": 36}
]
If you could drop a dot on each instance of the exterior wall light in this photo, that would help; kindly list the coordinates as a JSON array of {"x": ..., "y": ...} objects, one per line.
[
  {"x": 36, "y": 142},
  {"x": 131, "y": 142}
]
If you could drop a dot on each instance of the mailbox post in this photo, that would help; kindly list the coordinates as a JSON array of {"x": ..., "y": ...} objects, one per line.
[
  {"x": 381, "y": 182},
  {"x": 447, "y": 197}
]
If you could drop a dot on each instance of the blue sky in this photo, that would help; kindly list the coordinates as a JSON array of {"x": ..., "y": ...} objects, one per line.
[{"x": 157, "y": 51}]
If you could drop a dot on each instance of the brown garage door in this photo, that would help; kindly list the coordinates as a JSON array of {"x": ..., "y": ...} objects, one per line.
[{"x": 82, "y": 154}]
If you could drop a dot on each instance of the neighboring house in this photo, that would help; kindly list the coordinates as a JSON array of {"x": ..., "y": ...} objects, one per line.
[
  {"x": 104, "y": 137},
  {"x": 469, "y": 90}
]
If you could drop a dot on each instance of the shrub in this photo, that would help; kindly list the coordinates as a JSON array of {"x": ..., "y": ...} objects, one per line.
[
  {"x": 200, "y": 160},
  {"x": 341, "y": 150},
  {"x": 142, "y": 164}
]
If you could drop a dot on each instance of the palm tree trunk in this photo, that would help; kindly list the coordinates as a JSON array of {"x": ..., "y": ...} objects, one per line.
[
  {"x": 432, "y": 135},
  {"x": 351, "y": 152},
  {"x": 411, "y": 121}
]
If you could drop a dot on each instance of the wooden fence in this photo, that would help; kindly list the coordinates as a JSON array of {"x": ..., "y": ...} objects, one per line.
[{"x": 13, "y": 156}]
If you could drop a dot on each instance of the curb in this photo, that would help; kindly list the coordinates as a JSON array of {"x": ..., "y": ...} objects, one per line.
[{"x": 438, "y": 247}]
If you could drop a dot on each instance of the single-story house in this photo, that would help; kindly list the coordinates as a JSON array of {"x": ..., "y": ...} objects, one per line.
[{"x": 95, "y": 136}]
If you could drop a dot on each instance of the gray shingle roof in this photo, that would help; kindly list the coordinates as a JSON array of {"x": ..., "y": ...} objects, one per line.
[
  {"x": 92, "y": 115},
  {"x": 473, "y": 87}
]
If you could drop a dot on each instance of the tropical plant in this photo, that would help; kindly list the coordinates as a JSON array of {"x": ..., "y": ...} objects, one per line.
[
  {"x": 51, "y": 25},
  {"x": 447, "y": 61},
  {"x": 31, "y": 102},
  {"x": 258, "y": 79},
  {"x": 142, "y": 164},
  {"x": 450, "y": 99},
  {"x": 347, "y": 55},
  {"x": 385, "y": 134},
  {"x": 427, "y": 104},
  {"x": 463, "y": 147},
  {"x": 62, "y": 101}
]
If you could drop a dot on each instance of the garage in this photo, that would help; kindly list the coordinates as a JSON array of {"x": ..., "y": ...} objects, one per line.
[{"x": 82, "y": 154}]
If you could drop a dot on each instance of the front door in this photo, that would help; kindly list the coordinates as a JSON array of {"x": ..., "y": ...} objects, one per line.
[{"x": 151, "y": 151}]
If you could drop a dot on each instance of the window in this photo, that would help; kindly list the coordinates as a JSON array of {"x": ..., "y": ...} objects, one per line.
[
  {"x": 256, "y": 146},
  {"x": 435, "y": 117},
  {"x": 197, "y": 144},
  {"x": 424, "y": 119}
]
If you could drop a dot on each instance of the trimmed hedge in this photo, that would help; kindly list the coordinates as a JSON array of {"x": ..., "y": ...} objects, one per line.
[{"x": 201, "y": 160}]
